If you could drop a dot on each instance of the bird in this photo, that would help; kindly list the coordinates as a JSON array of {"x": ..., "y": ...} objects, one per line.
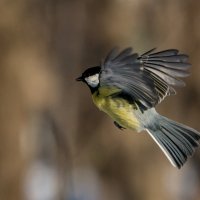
[{"x": 128, "y": 86}]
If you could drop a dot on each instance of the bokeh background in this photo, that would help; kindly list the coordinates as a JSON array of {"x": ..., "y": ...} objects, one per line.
[{"x": 54, "y": 144}]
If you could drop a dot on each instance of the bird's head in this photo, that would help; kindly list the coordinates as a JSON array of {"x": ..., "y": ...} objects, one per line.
[{"x": 91, "y": 77}]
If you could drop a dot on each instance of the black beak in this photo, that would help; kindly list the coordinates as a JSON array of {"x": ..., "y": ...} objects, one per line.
[{"x": 79, "y": 78}]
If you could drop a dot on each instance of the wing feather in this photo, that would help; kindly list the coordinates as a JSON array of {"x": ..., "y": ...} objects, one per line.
[{"x": 147, "y": 78}]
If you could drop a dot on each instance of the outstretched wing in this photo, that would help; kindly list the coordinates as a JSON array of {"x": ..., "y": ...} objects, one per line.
[{"x": 148, "y": 78}]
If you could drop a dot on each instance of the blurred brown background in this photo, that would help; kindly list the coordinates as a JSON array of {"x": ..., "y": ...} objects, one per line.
[{"x": 54, "y": 143}]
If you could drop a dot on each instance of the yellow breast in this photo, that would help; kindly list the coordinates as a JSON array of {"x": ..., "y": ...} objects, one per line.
[{"x": 118, "y": 109}]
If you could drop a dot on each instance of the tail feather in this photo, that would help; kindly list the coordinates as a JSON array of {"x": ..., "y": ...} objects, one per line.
[{"x": 177, "y": 141}]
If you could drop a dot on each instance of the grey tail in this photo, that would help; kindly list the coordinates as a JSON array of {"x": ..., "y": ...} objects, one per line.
[{"x": 177, "y": 141}]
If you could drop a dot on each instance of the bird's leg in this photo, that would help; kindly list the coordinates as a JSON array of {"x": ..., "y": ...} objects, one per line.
[{"x": 119, "y": 126}]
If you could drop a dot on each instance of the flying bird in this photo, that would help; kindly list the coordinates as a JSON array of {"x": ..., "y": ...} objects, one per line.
[{"x": 128, "y": 86}]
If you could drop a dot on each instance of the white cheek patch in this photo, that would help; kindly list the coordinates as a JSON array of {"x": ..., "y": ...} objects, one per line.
[{"x": 93, "y": 80}]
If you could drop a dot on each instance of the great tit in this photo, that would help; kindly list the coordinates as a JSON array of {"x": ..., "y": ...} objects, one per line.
[{"x": 128, "y": 86}]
